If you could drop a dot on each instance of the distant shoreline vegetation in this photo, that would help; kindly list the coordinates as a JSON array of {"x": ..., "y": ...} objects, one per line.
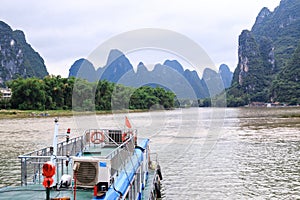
[{"x": 56, "y": 93}]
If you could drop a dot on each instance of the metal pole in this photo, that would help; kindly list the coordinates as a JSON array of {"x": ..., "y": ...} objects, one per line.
[
  {"x": 54, "y": 145},
  {"x": 48, "y": 193}
]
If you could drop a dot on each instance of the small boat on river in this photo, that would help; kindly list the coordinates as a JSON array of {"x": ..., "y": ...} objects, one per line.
[{"x": 100, "y": 164}]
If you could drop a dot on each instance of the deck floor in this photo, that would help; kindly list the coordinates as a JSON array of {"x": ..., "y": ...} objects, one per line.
[
  {"x": 38, "y": 192},
  {"x": 98, "y": 151}
]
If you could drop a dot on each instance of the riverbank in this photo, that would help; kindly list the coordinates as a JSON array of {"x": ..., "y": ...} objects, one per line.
[
  {"x": 11, "y": 114},
  {"x": 291, "y": 112}
]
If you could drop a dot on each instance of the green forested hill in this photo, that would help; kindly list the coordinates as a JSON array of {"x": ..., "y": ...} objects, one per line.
[
  {"x": 286, "y": 86},
  {"x": 266, "y": 54}
]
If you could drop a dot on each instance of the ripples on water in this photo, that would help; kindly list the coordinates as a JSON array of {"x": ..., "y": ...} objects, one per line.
[{"x": 204, "y": 153}]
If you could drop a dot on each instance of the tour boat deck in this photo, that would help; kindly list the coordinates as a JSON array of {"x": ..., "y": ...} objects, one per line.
[
  {"x": 38, "y": 191},
  {"x": 124, "y": 161}
]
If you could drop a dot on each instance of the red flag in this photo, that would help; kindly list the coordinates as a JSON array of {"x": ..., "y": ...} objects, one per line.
[{"x": 127, "y": 123}]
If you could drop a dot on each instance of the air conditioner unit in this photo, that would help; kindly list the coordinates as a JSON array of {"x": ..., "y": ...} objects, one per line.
[{"x": 91, "y": 171}]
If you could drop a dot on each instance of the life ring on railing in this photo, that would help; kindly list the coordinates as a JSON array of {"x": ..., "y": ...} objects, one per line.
[{"x": 97, "y": 137}]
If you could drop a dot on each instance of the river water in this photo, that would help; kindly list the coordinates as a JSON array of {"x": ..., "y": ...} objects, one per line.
[{"x": 204, "y": 153}]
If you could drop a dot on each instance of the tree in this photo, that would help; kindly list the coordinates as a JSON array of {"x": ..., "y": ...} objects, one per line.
[
  {"x": 28, "y": 94},
  {"x": 83, "y": 95},
  {"x": 54, "y": 92}
]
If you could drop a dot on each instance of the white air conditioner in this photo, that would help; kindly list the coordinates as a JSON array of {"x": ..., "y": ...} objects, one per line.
[{"x": 91, "y": 171}]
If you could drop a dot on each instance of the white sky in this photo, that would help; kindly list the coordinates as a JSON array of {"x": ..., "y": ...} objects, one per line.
[{"x": 64, "y": 31}]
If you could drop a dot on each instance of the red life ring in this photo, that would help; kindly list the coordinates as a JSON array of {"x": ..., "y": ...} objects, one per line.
[
  {"x": 97, "y": 137},
  {"x": 48, "y": 182},
  {"x": 48, "y": 172},
  {"x": 48, "y": 169}
]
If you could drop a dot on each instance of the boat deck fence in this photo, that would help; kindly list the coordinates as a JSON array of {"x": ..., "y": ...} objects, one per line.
[{"x": 32, "y": 163}]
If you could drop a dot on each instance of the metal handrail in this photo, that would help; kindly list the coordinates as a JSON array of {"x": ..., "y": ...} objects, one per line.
[
  {"x": 31, "y": 163},
  {"x": 73, "y": 140}
]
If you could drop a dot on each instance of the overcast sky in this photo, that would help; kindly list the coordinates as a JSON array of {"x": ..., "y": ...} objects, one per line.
[{"x": 64, "y": 31}]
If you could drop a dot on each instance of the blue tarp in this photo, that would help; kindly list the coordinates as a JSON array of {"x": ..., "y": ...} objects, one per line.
[{"x": 126, "y": 176}]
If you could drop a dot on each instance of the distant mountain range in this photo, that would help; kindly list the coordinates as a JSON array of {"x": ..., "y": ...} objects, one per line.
[
  {"x": 17, "y": 57},
  {"x": 170, "y": 75},
  {"x": 267, "y": 70}
]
